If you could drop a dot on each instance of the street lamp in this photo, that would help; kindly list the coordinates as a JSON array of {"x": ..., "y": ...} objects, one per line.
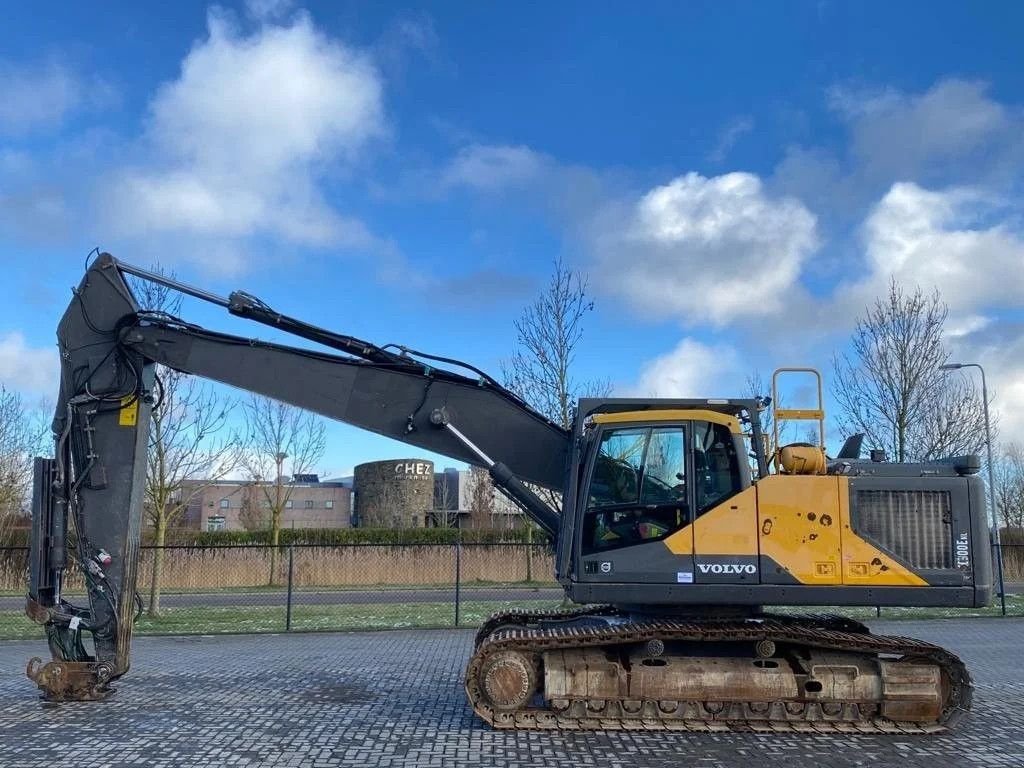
[{"x": 994, "y": 529}]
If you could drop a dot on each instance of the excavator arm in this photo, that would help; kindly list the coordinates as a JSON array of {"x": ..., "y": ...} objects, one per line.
[{"x": 109, "y": 349}]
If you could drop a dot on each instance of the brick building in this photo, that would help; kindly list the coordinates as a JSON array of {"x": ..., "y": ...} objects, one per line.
[
  {"x": 235, "y": 505},
  {"x": 397, "y": 493}
]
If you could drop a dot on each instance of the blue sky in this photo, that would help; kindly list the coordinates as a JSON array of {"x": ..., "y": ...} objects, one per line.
[{"x": 737, "y": 179}]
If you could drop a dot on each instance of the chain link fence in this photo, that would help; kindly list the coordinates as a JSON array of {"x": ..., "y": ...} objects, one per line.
[
  {"x": 259, "y": 588},
  {"x": 304, "y": 587}
]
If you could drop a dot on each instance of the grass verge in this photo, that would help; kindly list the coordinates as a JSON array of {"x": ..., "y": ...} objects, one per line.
[{"x": 208, "y": 620}]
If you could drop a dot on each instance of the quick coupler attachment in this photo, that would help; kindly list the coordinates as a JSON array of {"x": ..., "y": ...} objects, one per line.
[
  {"x": 71, "y": 680},
  {"x": 73, "y": 675}
]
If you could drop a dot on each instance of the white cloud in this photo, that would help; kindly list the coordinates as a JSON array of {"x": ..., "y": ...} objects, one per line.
[
  {"x": 967, "y": 246},
  {"x": 704, "y": 250},
  {"x": 40, "y": 96},
  {"x": 951, "y": 133},
  {"x": 732, "y": 133},
  {"x": 899, "y": 132},
  {"x": 493, "y": 167},
  {"x": 945, "y": 240},
  {"x": 27, "y": 369},
  {"x": 692, "y": 369},
  {"x": 266, "y": 10},
  {"x": 242, "y": 139},
  {"x": 999, "y": 346},
  {"x": 965, "y": 326}
]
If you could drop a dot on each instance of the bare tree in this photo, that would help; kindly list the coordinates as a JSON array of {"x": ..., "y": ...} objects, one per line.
[
  {"x": 548, "y": 334},
  {"x": 251, "y": 515},
  {"x": 21, "y": 437},
  {"x": 481, "y": 496},
  {"x": 811, "y": 435},
  {"x": 186, "y": 455},
  {"x": 389, "y": 505},
  {"x": 446, "y": 500},
  {"x": 1009, "y": 486},
  {"x": 759, "y": 390},
  {"x": 890, "y": 386},
  {"x": 278, "y": 433},
  {"x": 187, "y": 448}
]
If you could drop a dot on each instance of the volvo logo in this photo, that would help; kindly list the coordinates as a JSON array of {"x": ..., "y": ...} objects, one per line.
[{"x": 726, "y": 568}]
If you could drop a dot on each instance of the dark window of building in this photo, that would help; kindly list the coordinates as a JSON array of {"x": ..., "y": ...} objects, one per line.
[{"x": 309, "y": 503}]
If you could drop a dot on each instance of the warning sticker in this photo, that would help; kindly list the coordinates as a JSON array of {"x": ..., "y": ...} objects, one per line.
[
  {"x": 128, "y": 416},
  {"x": 684, "y": 577}
]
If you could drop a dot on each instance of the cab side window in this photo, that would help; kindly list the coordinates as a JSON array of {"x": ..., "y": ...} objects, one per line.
[{"x": 716, "y": 466}]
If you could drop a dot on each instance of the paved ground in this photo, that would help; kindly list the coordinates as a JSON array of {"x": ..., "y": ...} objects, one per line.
[
  {"x": 395, "y": 699},
  {"x": 332, "y": 597}
]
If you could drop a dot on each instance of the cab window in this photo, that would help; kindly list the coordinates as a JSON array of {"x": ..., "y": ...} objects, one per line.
[
  {"x": 616, "y": 478},
  {"x": 716, "y": 468},
  {"x": 638, "y": 488}
]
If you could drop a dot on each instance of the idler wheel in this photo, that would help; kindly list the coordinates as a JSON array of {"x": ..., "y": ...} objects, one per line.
[
  {"x": 509, "y": 680},
  {"x": 765, "y": 649}
]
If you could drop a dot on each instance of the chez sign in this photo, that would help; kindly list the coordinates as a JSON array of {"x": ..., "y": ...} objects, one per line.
[{"x": 413, "y": 468}]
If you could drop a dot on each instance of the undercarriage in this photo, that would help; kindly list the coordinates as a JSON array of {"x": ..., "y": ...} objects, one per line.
[{"x": 606, "y": 668}]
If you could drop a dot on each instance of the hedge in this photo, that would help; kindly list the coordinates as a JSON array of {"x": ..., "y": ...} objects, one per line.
[
  {"x": 325, "y": 536},
  {"x": 340, "y": 536}
]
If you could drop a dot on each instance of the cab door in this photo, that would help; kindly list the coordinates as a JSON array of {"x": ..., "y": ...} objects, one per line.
[
  {"x": 725, "y": 537},
  {"x": 638, "y": 499}
]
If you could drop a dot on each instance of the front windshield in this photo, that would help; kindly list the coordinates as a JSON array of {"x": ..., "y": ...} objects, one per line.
[
  {"x": 638, "y": 487},
  {"x": 616, "y": 477}
]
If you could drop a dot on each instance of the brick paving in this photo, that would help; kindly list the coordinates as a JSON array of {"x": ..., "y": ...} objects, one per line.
[{"x": 395, "y": 699}]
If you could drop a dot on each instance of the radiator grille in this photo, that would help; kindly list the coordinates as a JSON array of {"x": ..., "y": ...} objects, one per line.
[{"x": 913, "y": 525}]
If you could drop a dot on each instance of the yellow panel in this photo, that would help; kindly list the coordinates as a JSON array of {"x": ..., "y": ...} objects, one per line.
[
  {"x": 128, "y": 416},
  {"x": 675, "y": 414},
  {"x": 863, "y": 563},
  {"x": 728, "y": 529},
  {"x": 799, "y": 526},
  {"x": 681, "y": 542}
]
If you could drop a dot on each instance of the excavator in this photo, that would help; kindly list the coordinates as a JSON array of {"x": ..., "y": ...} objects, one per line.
[{"x": 680, "y": 523}]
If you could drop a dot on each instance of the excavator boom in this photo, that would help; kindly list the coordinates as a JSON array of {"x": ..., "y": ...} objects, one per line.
[{"x": 109, "y": 349}]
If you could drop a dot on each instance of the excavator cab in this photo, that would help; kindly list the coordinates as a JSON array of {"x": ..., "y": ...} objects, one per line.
[
  {"x": 647, "y": 473},
  {"x": 675, "y": 502}
]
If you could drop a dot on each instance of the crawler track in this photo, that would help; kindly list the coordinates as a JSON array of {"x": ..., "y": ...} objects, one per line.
[{"x": 533, "y": 633}]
